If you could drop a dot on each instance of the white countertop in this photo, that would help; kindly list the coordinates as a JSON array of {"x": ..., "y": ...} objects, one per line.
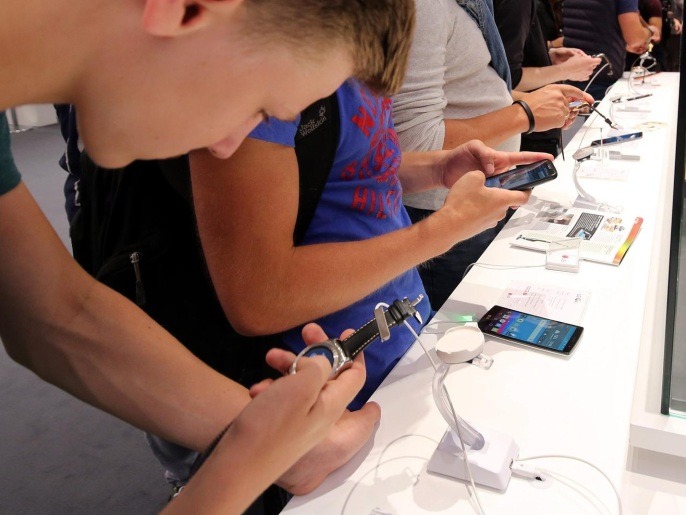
[{"x": 580, "y": 406}]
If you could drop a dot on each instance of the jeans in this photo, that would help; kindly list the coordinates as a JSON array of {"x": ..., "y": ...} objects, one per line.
[
  {"x": 442, "y": 274},
  {"x": 178, "y": 460}
]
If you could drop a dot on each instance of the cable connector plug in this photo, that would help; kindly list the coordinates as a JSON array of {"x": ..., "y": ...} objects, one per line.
[
  {"x": 483, "y": 361},
  {"x": 525, "y": 471}
]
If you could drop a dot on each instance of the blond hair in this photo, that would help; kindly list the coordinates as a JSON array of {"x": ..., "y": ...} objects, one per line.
[{"x": 377, "y": 33}]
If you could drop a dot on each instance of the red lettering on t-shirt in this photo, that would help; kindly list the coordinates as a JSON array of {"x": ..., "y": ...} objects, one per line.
[
  {"x": 381, "y": 212},
  {"x": 380, "y": 162},
  {"x": 371, "y": 101},
  {"x": 393, "y": 201},
  {"x": 372, "y": 202},
  {"x": 348, "y": 172},
  {"x": 364, "y": 121},
  {"x": 360, "y": 198}
]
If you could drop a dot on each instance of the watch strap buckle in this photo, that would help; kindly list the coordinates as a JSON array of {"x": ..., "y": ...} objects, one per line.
[{"x": 382, "y": 323}]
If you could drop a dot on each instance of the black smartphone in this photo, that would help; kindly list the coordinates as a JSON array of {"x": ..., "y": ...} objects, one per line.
[
  {"x": 615, "y": 140},
  {"x": 524, "y": 177},
  {"x": 531, "y": 330}
]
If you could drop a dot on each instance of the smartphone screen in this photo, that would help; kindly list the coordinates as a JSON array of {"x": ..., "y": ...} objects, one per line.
[
  {"x": 542, "y": 333},
  {"x": 617, "y": 139},
  {"x": 524, "y": 177}
]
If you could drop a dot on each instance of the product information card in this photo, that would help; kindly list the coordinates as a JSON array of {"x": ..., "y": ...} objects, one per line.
[{"x": 561, "y": 304}]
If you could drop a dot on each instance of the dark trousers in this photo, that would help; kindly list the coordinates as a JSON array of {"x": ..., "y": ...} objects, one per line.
[{"x": 442, "y": 274}]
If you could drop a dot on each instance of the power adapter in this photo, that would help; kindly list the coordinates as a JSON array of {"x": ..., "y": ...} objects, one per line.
[
  {"x": 563, "y": 255},
  {"x": 563, "y": 260}
]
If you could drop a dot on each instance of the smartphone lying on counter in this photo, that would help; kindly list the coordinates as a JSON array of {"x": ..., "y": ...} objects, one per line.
[
  {"x": 530, "y": 330},
  {"x": 615, "y": 140}
]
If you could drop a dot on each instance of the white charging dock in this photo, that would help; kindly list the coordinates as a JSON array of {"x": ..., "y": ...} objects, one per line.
[
  {"x": 489, "y": 452},
  {"x": 460, "y": 344},
  {"x": 490, "y": 465}
]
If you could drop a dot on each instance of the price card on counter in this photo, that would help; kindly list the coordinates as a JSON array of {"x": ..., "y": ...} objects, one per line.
[
  {"x": 608, "y": 173},
  {"x": 556, "y": 303}
]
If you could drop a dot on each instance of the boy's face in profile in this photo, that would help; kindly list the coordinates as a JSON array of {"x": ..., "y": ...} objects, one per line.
[{"x": 200, "y": 90}]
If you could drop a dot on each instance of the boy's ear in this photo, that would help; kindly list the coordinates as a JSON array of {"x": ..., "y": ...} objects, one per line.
[{"x": 178, "y": 17}]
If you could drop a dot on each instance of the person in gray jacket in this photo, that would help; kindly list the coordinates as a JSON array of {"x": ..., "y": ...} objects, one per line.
[{"x": 455, "y": 90}]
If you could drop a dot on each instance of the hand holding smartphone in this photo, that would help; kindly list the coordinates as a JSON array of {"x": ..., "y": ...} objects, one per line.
[
  {"x": 524, "y": 177},
  {"x": 531, "y": 330}
]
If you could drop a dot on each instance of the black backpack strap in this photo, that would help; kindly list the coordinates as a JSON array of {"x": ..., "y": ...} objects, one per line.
[
  {"x": 177, "y": 172},
  {"x": 316, "y": 143}
]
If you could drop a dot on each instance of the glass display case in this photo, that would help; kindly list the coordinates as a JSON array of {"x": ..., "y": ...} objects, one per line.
[{"x": 674, "y": 369}]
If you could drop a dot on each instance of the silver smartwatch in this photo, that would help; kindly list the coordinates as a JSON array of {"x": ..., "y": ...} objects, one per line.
[{"x": 340, "y": 353}]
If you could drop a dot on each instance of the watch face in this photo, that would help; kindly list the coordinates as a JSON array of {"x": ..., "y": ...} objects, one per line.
[{"x": 320, "y": 350}]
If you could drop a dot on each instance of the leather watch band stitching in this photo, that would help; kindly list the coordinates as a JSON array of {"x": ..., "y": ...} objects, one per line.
[{"x": 391, "y": 323}]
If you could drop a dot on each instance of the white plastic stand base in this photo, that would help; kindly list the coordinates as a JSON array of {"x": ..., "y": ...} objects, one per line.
[
  {"x": 585, "y": 203},
  {"x": 490, "y": 466}
]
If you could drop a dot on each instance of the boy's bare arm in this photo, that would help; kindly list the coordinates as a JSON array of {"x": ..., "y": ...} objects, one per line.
[
  {"x": 246, "y": 209},
  {"x": 92, "y": 342}
]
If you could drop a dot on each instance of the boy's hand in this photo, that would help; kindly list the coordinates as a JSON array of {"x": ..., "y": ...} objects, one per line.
[
  {"x": 474, "y": 155},
  {"x": 349, "y": 433}
]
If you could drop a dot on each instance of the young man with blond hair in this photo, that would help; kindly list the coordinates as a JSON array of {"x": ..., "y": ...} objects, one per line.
[{"x": 151, "y": 79}]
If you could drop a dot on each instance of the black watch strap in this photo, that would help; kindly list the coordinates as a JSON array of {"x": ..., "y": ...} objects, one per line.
[{"x": 397, "y": 312}]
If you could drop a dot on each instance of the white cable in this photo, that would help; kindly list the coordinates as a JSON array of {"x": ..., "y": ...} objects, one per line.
[
  {"x": 378, "y": 465},
  {"x": 418, "y": 340},
  {"x": 589, "y": 125},
  {"x": 378, "y": 462},
  {"x": 612, "y": 110},
  {"x": 574, "y": 458},
  {"x": 585, "y": 196},
  {"x": 607, "y": 90},
  {"x": 464, "y": 454},
  {"x": 414, "y": 333},
  {"x": 596, "y": 74},
  {"x": 494, "y": 266},
  {"x": 632, "y": 78},
  {"x": 475, "y": 494}
]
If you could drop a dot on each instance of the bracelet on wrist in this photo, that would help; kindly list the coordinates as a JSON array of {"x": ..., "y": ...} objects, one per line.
[{"x": 529, "y": 115}]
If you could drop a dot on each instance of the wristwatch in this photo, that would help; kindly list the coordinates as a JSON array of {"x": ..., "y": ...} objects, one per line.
[{"x": 340, "y": 353}]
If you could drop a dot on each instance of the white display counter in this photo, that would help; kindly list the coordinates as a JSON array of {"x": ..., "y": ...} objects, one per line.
[{"x": 582, "y": 406}]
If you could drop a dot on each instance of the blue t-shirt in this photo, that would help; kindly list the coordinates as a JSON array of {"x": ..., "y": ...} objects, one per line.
[
  {"x": 9, "y": 175},
  {"x": 626, "y": 6},
  {"x": 362, "y": 199}
]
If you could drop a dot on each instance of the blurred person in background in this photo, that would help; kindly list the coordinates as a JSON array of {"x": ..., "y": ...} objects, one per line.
[{"x": 611, "y": 27}]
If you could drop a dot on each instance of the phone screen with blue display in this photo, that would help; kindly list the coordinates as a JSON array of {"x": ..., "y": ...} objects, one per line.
[{"x": 532, "y": 330}]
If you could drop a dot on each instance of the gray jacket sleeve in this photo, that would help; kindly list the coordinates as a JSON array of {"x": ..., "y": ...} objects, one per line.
[{"x": 418, "y": 106}]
